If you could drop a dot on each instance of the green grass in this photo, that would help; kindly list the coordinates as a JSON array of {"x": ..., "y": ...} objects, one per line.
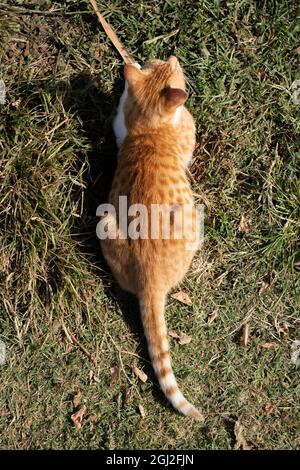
[{"x": 57, "y": 158}]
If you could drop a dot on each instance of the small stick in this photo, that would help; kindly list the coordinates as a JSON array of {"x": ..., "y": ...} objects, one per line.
[
  {"x": 245, "y": 335},
  {"x": 128, "y": 59},
  {"x": 189, "y": 174},
  {"x": 73, "y": 340}
]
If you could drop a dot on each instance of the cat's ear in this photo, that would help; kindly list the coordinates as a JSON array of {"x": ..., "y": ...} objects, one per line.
[
  {"x": 133, "y": 75},
  {"x": 173, "y": 61},
  {"x": 174, "y": 97}
]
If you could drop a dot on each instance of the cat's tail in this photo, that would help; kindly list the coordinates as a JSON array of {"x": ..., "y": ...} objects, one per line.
[{"x": 152, "y": 311}]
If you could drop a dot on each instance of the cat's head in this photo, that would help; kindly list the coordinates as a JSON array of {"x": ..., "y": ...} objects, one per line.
[{"x": 154, "y": 92}]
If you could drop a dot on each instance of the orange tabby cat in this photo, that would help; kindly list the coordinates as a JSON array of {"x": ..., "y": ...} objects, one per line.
[{"x": 156, "y": 135}]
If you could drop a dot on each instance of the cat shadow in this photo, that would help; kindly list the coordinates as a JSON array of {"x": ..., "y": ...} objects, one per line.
[{"x": 95, "y": 109}]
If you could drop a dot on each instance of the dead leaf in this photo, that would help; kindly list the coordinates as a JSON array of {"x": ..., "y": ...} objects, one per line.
[
  {"x": 93, "y": 378},
  {"x": 184, "y": 339},
  {"x": 142, "y": 411},
  {"x": 114, "y": 375},
  {"x": 212, "y": 317},
  {"x": 174, "y": 334},
  {"x": 269, "y": 345},
  {"x": 77, "y": 417},
  {"x": 243, "y": 225},
  {"x": 125, "y": 395},
  {"x": 268, "y": 408},
  {"x": 284, "y": 329},
  {"x": 140, "y": 374},
  {"x": 182, "y": 297},
  {"x": 264, "y": 287},
  {"x": 16, "y": 104},
  {"x": 240, "y": 440},
  {"x": 4, "y": 413},
  {"x": 245, "y": 335},
  {"x": 77, "y": 399}
]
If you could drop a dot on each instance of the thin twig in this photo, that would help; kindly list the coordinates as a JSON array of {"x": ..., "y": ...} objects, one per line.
[
  {"x": 189, "y": 174},
  {"x": 121, "y": 361},
  {"x": 128, "y": 59},
  {"x": 12, "y": 10},
  {"x": 72, "y": 339}
]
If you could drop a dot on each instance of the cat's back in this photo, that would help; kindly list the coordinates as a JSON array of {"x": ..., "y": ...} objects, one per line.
[{"x": 150, "y": 171}]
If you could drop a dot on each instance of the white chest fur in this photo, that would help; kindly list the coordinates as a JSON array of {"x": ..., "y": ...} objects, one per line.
[
  {"x": 177, "y": 116},
  {"x": 119, "y": 126}
]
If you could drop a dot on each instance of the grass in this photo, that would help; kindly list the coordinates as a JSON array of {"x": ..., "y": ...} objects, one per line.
[{"x": 57, "y": 157}]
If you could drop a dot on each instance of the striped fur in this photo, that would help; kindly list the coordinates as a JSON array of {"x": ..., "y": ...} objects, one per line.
[{"x": 152, "y": 311}]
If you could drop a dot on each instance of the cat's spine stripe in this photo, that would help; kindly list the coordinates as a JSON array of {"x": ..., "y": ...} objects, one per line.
[{"x": 152, "y": 311}]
